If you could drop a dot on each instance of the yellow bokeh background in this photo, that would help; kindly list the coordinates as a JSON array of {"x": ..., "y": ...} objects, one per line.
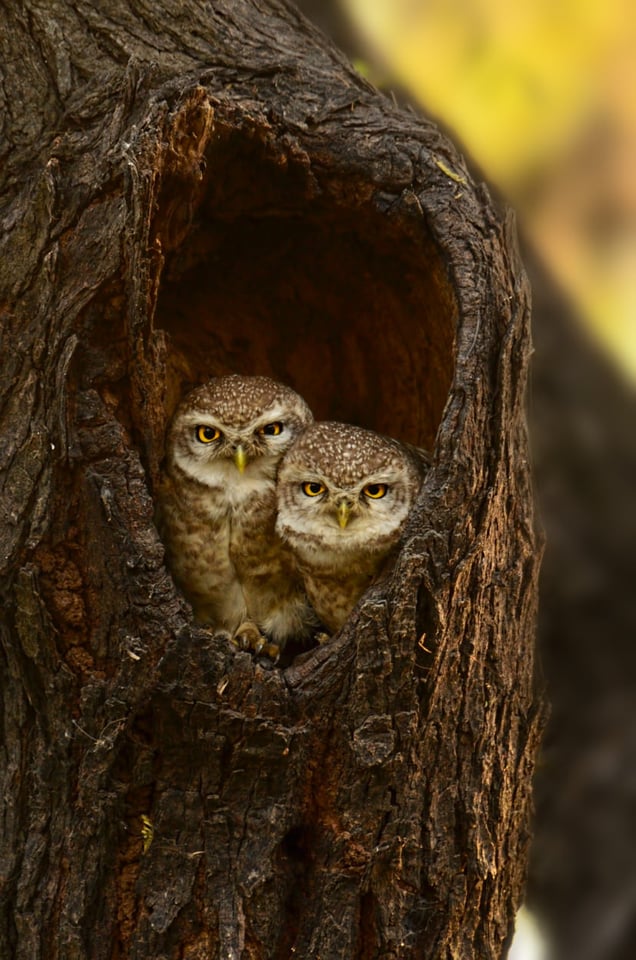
[{"x": 543, "y": 96}]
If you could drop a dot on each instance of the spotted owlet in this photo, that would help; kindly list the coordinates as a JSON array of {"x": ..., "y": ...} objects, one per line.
[
  {"x": 344, "y": 494},
  {"x": 217, "y": 509}
]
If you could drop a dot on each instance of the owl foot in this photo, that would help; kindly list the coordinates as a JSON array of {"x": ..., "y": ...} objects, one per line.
[
  {"x": 249, "y": 637},
  {"x": 270, "y": 650}
]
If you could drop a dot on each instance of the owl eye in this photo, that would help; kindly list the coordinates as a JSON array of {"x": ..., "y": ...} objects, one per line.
[
  {"x": 375, "y": 490},
  {"x": 208, "y": 434},
  {"x": 313, "y": 489},
  {"x": 271, "y": 429}
]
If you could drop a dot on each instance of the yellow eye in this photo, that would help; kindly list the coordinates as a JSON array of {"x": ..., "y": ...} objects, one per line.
[
  {"x": 271, "y": 429},
  {"x": 208, "y": 434},
  {"x": 375, "y": 490},
  {"x": 313, "y": 489}
]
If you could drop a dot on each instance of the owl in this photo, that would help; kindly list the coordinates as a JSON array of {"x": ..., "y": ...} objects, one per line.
[
  {"x": 217, "y": 509},
  {"x": 343, "y": 495}
]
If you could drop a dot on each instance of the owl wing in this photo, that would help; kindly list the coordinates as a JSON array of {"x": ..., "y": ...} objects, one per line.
[{"x": 421, "y": 457}]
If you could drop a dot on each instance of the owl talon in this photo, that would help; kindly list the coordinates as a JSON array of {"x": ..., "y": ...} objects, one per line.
[
  {"x": 248, "y": 637},
  {"x": 270, "y": 650}
]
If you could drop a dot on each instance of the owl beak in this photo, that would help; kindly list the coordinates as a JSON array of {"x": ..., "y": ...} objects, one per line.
[
  {"x": 240, "y": 458},
  {"x": 343, "y": 514}
]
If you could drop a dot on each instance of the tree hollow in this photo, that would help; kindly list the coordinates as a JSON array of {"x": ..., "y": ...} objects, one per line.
[
  {"x": 313, "y": 285},
  {"x": 214, "y": 189}
]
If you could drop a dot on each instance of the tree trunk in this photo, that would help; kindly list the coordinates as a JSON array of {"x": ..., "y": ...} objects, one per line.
[{"x": 191, "y": 189}]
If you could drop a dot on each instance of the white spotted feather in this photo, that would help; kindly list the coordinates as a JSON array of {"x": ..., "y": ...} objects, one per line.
[
  {"x": 216, "y": 511},
  {"x": 342, "y": 535}
]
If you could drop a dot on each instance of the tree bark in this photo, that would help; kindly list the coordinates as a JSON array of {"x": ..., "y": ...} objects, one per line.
[{"x": 191, "y": 189}]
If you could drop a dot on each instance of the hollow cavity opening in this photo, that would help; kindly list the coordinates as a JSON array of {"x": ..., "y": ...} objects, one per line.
[{"x": 307, "y": 282}]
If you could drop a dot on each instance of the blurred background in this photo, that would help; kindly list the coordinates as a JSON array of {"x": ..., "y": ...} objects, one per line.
[{"x": 541, "y": 98}]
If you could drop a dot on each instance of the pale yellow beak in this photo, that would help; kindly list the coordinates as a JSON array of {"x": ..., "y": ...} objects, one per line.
[
  {"x": 240, "y": 458},
  {"x": 343, "y": 514}
]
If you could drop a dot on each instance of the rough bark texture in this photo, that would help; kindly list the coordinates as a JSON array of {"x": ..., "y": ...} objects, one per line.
[{"x": 190, "y": 189}]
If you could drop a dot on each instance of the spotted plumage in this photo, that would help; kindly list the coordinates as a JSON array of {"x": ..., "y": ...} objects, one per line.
[
  {"x": 216, "y": 508},
  {"x": 343, "y": 495}
]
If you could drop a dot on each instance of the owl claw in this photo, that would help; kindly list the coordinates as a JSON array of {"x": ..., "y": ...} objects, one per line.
[
  {"x": 271, "y": 651},
  {"x": 249, "y": 637}
]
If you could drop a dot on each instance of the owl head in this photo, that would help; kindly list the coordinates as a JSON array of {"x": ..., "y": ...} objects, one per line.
[
  {"x": 343, "y": 490},
  {"x": 235, "y": 428}
]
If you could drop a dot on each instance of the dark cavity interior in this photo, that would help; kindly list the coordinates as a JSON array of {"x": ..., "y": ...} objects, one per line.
[{"x": 296, "y": 274}]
